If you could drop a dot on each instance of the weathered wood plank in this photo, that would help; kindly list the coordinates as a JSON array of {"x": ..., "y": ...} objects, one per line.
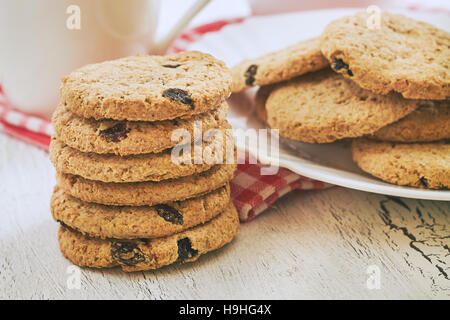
[{"x": 315, "y": 244}]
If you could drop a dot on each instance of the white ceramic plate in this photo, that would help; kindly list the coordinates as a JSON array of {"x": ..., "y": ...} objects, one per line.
[{"x": 331, "y": 163}]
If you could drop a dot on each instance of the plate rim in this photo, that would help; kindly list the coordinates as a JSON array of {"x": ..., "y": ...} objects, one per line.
[{"x": 383, "y": 188}]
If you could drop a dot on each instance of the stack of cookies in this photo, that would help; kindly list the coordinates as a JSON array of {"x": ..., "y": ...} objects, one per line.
[
  {"x": 143, "y": 161},
  {"x": 386, "y": 87}
]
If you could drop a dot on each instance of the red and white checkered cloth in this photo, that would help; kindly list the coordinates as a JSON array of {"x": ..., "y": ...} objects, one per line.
[
  {"x": 251, "y": 192},
  {"x": 23, "y": 126}
]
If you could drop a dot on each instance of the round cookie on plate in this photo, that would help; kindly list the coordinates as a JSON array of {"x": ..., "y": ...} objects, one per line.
[
  {"x": 300, "y": 58},
  {"x": 147, "y": 88},
  {"x": 147, "y": 254},
  {"x": 401, "y": 54},
  {"x": 102, "y": 221},
  {"x": 323, "y": 107},
  {"x": 422, "y": 165},
  {"x": 128, "y": 137},
  {"x": 430, "y": 122},
  {"x": 146, "y": 193}
]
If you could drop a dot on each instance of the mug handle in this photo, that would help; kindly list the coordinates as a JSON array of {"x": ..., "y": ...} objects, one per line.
[{"x": 161, "y": 46}]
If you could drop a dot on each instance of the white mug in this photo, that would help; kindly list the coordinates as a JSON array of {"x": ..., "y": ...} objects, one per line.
[{"x": 43, "y": 40}]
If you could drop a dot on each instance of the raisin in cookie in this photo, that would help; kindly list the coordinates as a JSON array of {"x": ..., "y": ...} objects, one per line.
[
  {"x": 143, "y": 167},
  {"x": 146, "y": 193},
  {"x": 128, "y": 137},
  {"x": 147, "y": 88},
  {"x": 402, "y": 55},
  {"x": 147, "y": 254},
  {"x": 422, "y": 165},
  {"x": 323, "y": 107},
  {"x": 102, "y": 221},
  {"x": 302, "y": 57},
  {"x": 430, "y": 122}
]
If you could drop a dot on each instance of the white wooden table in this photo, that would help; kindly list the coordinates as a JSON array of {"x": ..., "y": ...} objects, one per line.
[{"x": 317, "y": 244}]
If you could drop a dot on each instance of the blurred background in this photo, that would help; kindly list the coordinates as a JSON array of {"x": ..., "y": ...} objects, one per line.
[
  {"x": 220, "y": 9},
  {"x": 42, "y": 40}
]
